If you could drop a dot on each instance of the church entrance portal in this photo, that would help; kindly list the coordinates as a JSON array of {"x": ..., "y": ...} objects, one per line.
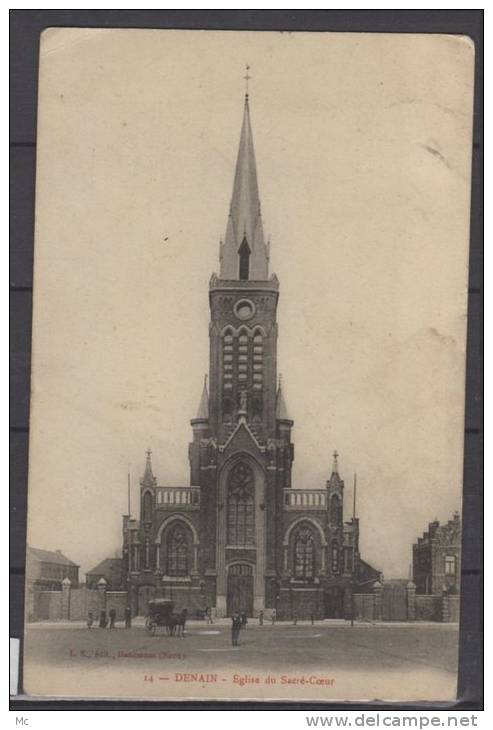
[{"x": 240, "y": 589}]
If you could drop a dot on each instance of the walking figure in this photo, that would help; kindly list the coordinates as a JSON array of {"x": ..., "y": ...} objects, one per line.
[
  {"x": 90, "y": 619},
  {"x": 102, "y": 619},
  {"x": 261, "y": 618},
  {"x": 295, "y": 618},
  {"x": 244, "y": 620},
  {"x": 235, "y": 628},
  {"x": 128, "y": 617},
  {"x": 273, "y": 616},
  {"x": 312, "y": 618},
  {"x": 182, "y": 622},
  {"x": 112, "y": 616},
  {"x": 208, "y": 614}
]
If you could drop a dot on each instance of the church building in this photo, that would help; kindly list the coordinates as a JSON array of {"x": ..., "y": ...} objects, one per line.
[{"x": 242, "y": 536}]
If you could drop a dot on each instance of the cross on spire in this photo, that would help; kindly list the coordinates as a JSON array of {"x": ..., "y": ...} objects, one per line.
[{"x": 247, "y": 78}]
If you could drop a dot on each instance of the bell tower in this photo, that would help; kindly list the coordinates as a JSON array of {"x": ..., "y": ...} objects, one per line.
[
  {"x": 243, "y": 302},
  {"x": 241, "y": 453}
]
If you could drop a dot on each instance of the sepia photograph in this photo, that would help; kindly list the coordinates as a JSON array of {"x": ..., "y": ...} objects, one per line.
[{"x": 248, "y": 372}]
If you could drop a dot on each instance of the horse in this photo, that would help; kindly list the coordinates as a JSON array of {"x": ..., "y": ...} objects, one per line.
[{"x": 175, "y": 625}]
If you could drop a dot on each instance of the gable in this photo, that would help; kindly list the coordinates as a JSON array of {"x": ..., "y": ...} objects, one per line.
[{"x": 242, "y": 439}]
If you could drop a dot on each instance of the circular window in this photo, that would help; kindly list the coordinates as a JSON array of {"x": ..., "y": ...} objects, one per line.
[{"x": 244, "y": 309}]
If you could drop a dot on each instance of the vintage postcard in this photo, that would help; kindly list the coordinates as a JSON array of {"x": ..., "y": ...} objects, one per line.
[{"x": 250, "y": 305}]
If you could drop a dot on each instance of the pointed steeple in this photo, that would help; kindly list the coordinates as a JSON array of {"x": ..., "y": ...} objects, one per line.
[
  {"x": 335, "y": 483},
  {"x": 148, "y": 479},
  {"x": 203, "y": 410},
  {"x": 244, "y": 228},
  {"x": 281, "y": 408}
]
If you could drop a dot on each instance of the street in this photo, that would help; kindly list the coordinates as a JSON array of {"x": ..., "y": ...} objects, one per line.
[{"x": 329, "y": 660}]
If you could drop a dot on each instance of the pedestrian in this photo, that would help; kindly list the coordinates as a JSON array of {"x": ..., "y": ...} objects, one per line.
[
  {"x": 183, "y": 621},
  {"x": 208, "y": 614},
  {"x": 128, "y": 617},
  {"x": 295, "y": 618},
  {"x": 261, "y": 617},
  {"x": 102, "y": 619},
  {"x": 244, "y": 620},
  {"x": 112, "y": 616},
  {"x": 235, "y": 628},
  {"x": 90, "y": 619},
  {"x": 312, "y": 618},
  {"x": 273, "y": 616}
]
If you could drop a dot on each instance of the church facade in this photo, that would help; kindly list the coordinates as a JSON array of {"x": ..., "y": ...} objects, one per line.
[{"x": 242, "y": 536}]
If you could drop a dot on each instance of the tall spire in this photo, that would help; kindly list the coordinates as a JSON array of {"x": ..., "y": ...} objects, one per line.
[
  {"x": 244, "y": 228},
  {"x": 203, "y": 410}
]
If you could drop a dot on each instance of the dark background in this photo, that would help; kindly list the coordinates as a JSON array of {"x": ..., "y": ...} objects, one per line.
[{"x": 25, "y": 29}]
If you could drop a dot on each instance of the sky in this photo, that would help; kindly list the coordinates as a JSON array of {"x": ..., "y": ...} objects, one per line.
[{"x": 363, "y": 155}]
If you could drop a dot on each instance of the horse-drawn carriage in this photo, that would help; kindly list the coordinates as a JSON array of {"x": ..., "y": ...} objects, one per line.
[{"x": 161, "y": 616}]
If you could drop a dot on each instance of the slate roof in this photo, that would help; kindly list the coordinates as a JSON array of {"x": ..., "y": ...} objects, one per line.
[
  {"x": 107, "y": 566},
  {"x": 49, "y": 556}
]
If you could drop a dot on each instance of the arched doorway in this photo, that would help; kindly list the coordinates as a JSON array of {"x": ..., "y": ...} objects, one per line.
[{"x": 240, "y": 589}]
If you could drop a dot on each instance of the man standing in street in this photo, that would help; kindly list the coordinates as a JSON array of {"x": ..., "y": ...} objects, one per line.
[
  {"x": 235, "y": 628},
  {"x": 261, "y": 617},
  {"x": 128, "y": 617},
  {"x": 112, "y": 615}
]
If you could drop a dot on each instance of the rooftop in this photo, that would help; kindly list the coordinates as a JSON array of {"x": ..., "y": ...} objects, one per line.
[{"x": 49, "y": 556}]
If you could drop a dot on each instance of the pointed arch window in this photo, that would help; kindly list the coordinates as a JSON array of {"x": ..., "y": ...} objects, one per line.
[
  {"x": 258, "y": 355},
  {"x": 304, "y": 567},
  {"x": 227, "y": 365},
  {"x": 177, "y": 551},
  {"x": 241, "y": 506},
  {"x": 335, "y": 510},
  {"x": 147, "y": 507},
  {"x": 244, "y": 260}
]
